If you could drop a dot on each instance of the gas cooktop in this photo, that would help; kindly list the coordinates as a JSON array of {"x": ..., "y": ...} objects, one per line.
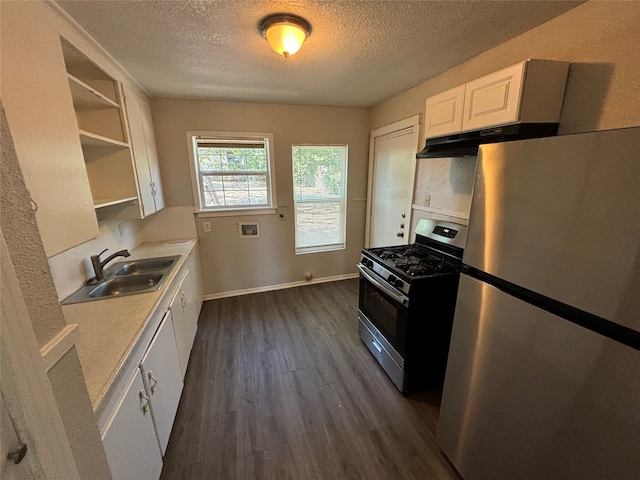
[{"x": 414, "y": 260}]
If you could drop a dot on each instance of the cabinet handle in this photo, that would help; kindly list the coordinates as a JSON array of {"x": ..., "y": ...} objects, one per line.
[
  {"x": 152, "y": 386},
  {"x": 183, "y": 300},
  {"x": 144, "y": 402}
]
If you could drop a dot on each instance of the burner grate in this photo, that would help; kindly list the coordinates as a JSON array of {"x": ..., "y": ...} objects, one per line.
[{"x": 415, "y": 260}]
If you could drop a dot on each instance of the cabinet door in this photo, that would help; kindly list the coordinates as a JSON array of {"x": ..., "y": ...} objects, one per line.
[
  {"x": 138, "y": 143},
  {"x": 162, "y": 377},
  {"x": 152, "y": 156},
  {"x": 493, "y": 99},
  {"x": 444, "y": 113},
  {"x": 183, "y": 325},
  {"x": 129, "y": 439},
  {"x": 41, "y": 120}
]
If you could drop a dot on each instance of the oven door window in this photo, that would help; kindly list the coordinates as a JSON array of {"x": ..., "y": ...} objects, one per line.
[{"x": 386, "y": 314}]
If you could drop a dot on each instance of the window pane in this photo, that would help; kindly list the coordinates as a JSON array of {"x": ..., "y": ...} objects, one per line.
[
  {"x": 232, "y": 159},
  {"x": 258, "y": 189},
  {"x": 318, "y": 172},
  {"x": 233, "y": 172},
  {"x": 213, "y": 191},
  {"x": 209, "y": 160},
  {"x": 234, "y": 190},
  {"x": 318, "y": 223},
  {"x": 319, "y": 176}
]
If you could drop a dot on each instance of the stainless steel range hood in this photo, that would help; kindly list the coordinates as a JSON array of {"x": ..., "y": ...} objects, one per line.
[{"x": 466, "y": 144}]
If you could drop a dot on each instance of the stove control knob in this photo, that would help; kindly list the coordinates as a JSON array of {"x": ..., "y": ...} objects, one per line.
[{"x": 396, "y": 282}]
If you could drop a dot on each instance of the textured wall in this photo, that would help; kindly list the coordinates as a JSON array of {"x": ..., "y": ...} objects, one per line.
[
  {"x": 25, "y": 246},
  {"x": 231, "y": 263},
  {"x": 77, "y": 415},
  {"x": 600, "y": 39},
  {"x": 28, "y": 257}
]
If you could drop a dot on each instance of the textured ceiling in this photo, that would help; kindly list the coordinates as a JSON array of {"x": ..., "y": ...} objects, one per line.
[{"x": 359, "y": 52}]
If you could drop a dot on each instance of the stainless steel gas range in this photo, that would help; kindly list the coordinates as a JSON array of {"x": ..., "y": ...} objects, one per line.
[{"x": 407, "y": 301}]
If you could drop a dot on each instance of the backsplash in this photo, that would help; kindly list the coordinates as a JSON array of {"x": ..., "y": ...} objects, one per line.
[
  {"x": 447, "y": 183},
  {"x": 72, "y": 268}
]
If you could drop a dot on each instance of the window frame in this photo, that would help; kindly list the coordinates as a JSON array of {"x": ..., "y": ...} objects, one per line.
[
  {"x": 342, "y": 200},
  {"x": 199, "y": 207}
]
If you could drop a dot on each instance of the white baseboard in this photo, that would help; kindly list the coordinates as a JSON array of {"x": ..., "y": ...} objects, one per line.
[{"x": 282, "y": 286}]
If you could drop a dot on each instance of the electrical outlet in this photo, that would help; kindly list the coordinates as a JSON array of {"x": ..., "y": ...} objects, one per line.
[{"x": 206, "y": 226}]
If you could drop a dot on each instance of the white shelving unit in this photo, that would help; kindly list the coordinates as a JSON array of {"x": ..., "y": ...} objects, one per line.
[{"x": 97, "y": 101}]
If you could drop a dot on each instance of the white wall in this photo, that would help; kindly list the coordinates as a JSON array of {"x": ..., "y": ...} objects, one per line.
[
  {"x": 600, "y": 39},
  {"x": 229, "y": 262}
]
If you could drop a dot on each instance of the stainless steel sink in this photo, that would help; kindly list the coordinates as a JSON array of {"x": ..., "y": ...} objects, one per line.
[
  {"x": 123, "y": 285},
  {"x": 127, "y": 278},
  {"x": 143, "y": 266}
]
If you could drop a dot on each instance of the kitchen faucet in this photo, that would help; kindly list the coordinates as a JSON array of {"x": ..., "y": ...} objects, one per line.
[{"x": 98, "y": 265}]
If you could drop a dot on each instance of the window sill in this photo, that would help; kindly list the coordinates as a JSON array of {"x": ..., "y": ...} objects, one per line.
[
  {"x": 320, "y": 249},
  {"x": 235, "y": 213}
]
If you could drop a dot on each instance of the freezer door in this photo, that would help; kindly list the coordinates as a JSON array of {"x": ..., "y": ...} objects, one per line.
[
  {"x": 528, "y": 395},
  {"x": 561, "y": 216}
]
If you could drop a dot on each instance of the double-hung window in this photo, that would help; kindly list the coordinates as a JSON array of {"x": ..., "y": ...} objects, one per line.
[
  {"x": 232, "y": 171},
  {"x": 319, "y": 194}
]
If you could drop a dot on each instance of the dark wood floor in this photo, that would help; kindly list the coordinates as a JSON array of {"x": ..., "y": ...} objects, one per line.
[{"x": 279, "y": 386}]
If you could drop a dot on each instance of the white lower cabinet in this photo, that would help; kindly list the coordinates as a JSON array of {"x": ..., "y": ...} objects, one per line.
[
  {"x": 185, "y": 324},
  {"x": 162, "y": 377},
  {"x": 185, "y": 308},
  {"x": 140, "y": 417},
  {"x": 130, "y": 439}
]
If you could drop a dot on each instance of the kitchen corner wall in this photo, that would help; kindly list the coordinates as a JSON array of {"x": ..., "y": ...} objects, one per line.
[
  {"x": 599, "y": 39},
  {"x": 234, "y": 264}
]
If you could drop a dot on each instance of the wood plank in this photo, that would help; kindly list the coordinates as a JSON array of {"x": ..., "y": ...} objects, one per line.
[{"x": 280, "y": 386}]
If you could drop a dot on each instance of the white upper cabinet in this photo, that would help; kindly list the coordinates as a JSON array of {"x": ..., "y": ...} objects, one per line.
[
  {"x": 118, "y": 143},
  {"x": 97, "y": 101},
  {"x": 494, "y": 99},
  {"x": 152, "y": 156},
  {"x": 145, "y": 153},
  {"x": 40, "y": 113},
  {"x": 444, "y": 112},
  {"x": 528, "y": 92}
]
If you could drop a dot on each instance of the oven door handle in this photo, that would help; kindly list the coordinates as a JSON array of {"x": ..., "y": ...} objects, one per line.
[{"x": 383, "y": 286}]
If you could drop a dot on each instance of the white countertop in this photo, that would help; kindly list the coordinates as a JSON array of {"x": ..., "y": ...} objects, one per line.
[{"x": 111, "y": 329}]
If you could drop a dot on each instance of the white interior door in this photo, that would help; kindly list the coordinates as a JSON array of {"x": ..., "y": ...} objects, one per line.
[
  {"x": 10, "y": 444},
  {"x": 392, "y": 172}
]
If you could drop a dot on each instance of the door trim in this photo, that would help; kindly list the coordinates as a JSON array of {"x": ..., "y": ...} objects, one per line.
[
  {"x": 25, "y": 386},
  {"x": 410, "y": 122}
]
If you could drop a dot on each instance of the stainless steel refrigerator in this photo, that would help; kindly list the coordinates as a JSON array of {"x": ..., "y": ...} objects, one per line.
[{"x": 543, "y": 375}]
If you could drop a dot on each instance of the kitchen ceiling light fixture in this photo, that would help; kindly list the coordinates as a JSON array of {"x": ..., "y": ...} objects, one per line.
[{"x": 285, "y": 33}]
